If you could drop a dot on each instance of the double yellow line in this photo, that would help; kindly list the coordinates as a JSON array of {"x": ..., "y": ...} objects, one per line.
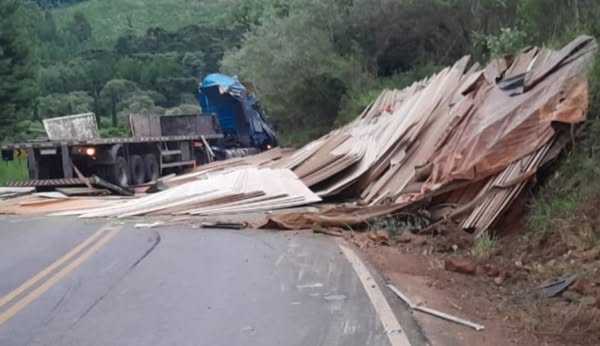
[{"x": 84, "y": 251}]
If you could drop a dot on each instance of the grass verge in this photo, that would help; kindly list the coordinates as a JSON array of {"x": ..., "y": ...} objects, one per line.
[
  {"x": 484, "y": 245},
  {"x": 574, "y": 184},
  {"x": 12, "y": 171}
]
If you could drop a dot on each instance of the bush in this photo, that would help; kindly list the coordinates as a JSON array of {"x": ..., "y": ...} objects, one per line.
[
  {"x": 508, "y": 41},
  {"x": 115, "y": 132}
]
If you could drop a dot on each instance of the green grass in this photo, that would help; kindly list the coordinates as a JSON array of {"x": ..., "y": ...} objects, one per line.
[
  {"x": 484, "y": 245},
  {"x": 12, "y": 171},
  {"x": 574, "y": 184},
  {"x": 109, "y": 18}
]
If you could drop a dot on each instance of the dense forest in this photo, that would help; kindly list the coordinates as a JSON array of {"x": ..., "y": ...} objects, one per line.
[
  {"x": 56, "y": 3},
  {"x": 315, "y": 63}
]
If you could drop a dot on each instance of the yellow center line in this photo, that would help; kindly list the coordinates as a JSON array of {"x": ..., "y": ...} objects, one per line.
[
  {"x": 33, "y": 280},
  {"x": 36, "y": 293}
]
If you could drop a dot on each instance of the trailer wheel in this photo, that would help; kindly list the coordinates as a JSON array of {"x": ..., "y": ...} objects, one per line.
[
  {"x": 151, "y": 167},
  {"x": 137, "y": 169},
  {"x": 118, "y": 173}
]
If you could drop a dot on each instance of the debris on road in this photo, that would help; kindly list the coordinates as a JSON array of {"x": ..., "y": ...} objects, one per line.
[
  {"x": 236, "y": 191},
  {"x": 11, "y": 192},
  {"x": 149, "y": 225},
  {"x": 224, "y": 225},
  {"x": 41, "y": 201},
  {"x": 463, "y": 143},
  {"x": 433, "y": 312},
  {"x": 82, "y": 191},
  {"x": 51, "y": 195},
  {"x": 34, "y": 205},
  {"x": 448, "y": 317},
  {"x": 74, "y": 182}
]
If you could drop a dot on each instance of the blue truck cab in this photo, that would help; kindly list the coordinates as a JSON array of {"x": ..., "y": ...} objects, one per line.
[{"x": 243, "y": 122}]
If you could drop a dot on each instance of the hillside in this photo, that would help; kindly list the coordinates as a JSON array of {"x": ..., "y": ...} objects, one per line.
[{"x": 110, "y": 18}]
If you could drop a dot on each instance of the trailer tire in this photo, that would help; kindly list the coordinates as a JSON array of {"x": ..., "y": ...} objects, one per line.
[
  {"x": 118, "y": 173},
  {"x": 151, "y": 167},
  {"x": 137, "y": 169}
]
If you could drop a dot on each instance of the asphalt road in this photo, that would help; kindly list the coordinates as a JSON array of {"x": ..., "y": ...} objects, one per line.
[{"x": 66, "y": 281}]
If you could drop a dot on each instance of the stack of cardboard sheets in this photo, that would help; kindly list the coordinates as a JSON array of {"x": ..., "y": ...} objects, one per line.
[
  {"x": 466, "y": 134},
  {"x": 240, "y": 190}
]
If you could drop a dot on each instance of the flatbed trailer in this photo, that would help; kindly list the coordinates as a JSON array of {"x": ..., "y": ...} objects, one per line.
[{"x": 121, "y": 161}]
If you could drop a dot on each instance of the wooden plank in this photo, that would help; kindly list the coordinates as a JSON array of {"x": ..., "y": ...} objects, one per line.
[
  {"x": 40, "y": 202},
  {"x": 82, "y": 191},
  {"x": 80, "y": 176}
]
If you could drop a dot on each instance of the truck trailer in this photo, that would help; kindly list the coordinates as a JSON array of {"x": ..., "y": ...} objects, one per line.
[{"x": 231, "y": 124}]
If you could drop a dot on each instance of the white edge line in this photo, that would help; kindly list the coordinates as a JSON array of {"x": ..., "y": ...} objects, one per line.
[{"x": 388, "y": 319}]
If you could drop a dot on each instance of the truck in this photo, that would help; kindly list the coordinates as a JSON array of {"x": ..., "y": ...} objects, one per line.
[
  {"x": 232, "y": 124},
  {"x": 243, "y": 122}
]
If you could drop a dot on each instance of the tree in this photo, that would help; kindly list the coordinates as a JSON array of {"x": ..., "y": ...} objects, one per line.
[
  {"x": 294, "y": 62},
  {"x": 80, "y": 28},
  {"x": 17, "y": 67},
  {"x": 160, "y": 66},
  {"x": 129, "y": 68},
  {"x": 54, "y": 3},
  {"x": 114, "y": 92},
  {"x": 194, "y": 63},
  {"x": 46, "y": 28},
  {"x": 173, "y": 88},
  {"x": 139, "y": 103},
  {"x": 247, "y": 14},
  {"x": 508, "y": 41},
  {"x": 98, "y": 71},
  {"x": 212, "y": 41},
  {"x": 559, "y": 21},
  {"x": 64, "y": 104}
]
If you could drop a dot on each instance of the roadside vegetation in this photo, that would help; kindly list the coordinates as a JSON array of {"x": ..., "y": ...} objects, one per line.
[
  {"x": 484, "y": 245},
  {"x": 13, "y": 171},
  {"x": 564, "y": 194}
]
